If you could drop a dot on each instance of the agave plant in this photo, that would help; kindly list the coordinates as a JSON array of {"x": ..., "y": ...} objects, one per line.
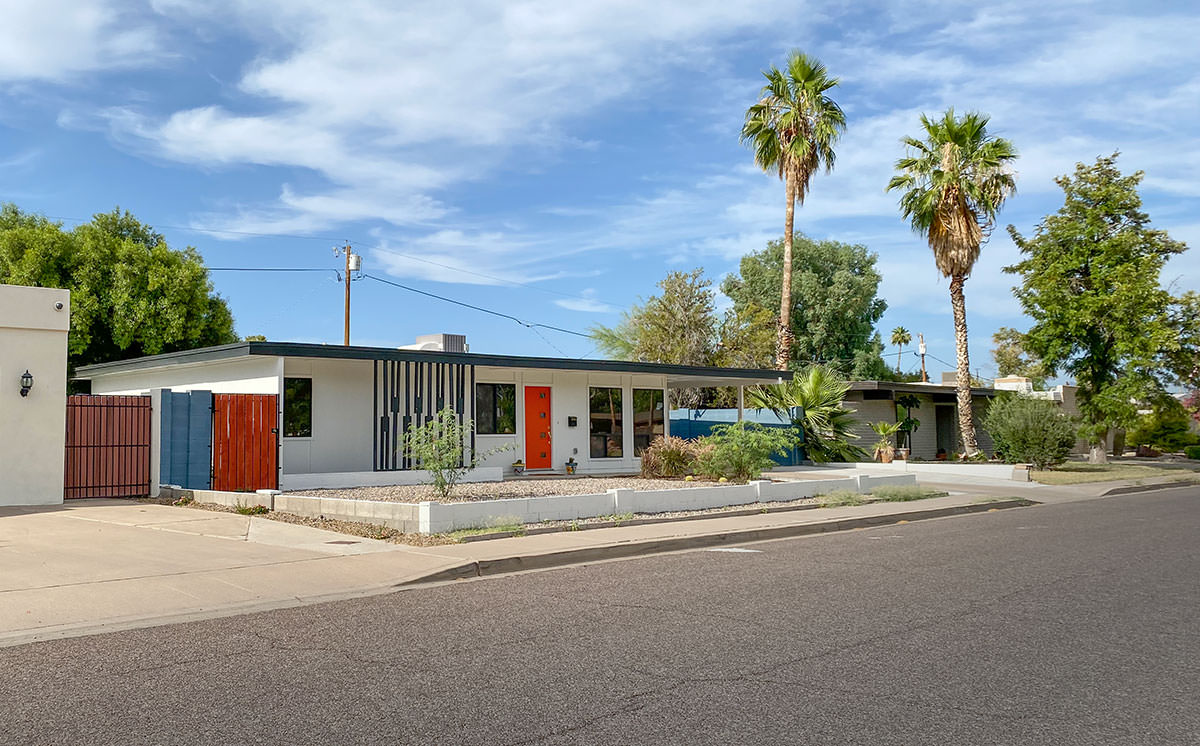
[{"x": 813, "y": 402}]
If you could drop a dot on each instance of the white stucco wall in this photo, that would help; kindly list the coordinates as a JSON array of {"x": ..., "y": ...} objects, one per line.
[
  {"x": 33, "y": 337},
  {"x": 569, "y": 397},
  {"x": 342, "y": 417},
  {"x": 256, "y": 374}
]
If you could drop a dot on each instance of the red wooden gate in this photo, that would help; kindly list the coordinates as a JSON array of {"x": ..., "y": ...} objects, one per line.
[
  {"x": 108, "y": 446},
  {"x": 245, "y": 442}
]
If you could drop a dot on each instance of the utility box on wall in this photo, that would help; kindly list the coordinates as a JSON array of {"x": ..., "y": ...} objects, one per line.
[{"x": 33, "y": 408}]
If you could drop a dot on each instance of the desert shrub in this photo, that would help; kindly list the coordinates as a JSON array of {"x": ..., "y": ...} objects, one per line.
[
  {"x": 902, "y": 493},
  {"x": 1030, "y": 431},
  {"x": 1167, "y": 428},
  {"x": 1192, "y": 452},
  {"x": 440, "y": 447},
  {"x": 670, "y": 457},
  {"x": 742, "y": 451}
]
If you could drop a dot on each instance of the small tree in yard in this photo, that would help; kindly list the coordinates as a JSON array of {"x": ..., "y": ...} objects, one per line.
[
  {"x": 742, "y": 451},
  {"x": 1030, "y": 431},
  {"x": 439, "y": 447}
]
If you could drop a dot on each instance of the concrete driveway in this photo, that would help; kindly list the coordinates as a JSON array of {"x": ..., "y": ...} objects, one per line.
[{"x": 115, "y": 563}]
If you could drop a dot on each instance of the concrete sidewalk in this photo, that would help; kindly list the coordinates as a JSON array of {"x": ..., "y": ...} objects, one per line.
[{"x": 104, "y": 565}]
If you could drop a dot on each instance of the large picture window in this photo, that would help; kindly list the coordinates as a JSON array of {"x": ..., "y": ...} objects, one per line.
[
  {"x": 607, "y": 433},
  {"x": 297, "y": 407},
  {"x": 648, "y": 418},
  {"x": 495, "y": 408}
]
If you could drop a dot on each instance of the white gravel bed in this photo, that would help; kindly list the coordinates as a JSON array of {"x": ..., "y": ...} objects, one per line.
[{"x": 476, "y": 491}]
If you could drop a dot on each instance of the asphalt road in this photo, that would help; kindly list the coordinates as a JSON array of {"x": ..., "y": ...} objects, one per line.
[{"x": 1075, "y": 623}]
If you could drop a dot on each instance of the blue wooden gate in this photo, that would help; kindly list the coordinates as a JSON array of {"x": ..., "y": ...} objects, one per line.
[{"x": 186, "y": 439}]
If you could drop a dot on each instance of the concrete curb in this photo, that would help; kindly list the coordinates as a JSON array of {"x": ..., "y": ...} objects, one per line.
[
  {"x": 506, "y": 565},
  {"x": 1135, "y": 488}
]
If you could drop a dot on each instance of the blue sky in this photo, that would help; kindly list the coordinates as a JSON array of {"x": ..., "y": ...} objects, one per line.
[{"x": 554, "y": 160}]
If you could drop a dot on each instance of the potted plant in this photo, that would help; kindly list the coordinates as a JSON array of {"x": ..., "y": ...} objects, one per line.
[
  {"x": 571, "y": 465},
  {"x": 518, "y": 466},
  {"x": 908, "y": 425},
  {"x": 884, "y": 450}
]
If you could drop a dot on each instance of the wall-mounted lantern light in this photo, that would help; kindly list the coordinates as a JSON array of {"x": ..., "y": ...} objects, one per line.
[{"x": 26, "y": 383}]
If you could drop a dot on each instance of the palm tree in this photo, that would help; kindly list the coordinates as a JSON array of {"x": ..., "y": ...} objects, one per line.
[
  {"x": 900, "y": 337},
  {"x": 953, "y": 183},
  {"x": 813, "y": 402},
  {"x": 792, "y": 129}
]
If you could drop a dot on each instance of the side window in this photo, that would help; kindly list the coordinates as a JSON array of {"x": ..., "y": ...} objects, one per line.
[
  {"x": 495, "y": 408},
  {"x": 297, "y": 407}
]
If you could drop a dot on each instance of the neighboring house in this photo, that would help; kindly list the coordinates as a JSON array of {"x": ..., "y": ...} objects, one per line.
[
  {"x": 343, "y": 409},
  {"x": 875, "y": 401},
  {"x": 33, "y": 408}
]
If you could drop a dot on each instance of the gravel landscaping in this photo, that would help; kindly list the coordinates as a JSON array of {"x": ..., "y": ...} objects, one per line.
[{"x": 476, "y": 491}]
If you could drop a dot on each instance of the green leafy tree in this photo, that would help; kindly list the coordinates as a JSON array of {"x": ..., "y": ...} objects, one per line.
[
  {"x": 836, "y": 289},
  {"x": 678, "y": 326},
  {"x": 812, "y": 401},
  {"x": 131, "y": 294},
  {"x": 1012, "y": 359},
  {"x": 792, "y": 130},
  {"x": 1090, "y": 282},
  {"x": 952, "y": 184},
  {"x": 900, "y": 337}
]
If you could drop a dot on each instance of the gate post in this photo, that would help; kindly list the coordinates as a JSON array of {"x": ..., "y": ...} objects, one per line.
[{"x": 156, "y": 415}]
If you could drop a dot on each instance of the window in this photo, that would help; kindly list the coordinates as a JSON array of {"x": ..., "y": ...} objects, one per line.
[
  {"x": 495, "y": 408},
  {"x": 297, "y": 407},
  {"x": 606, "y": 428},
  {"x": 647, "y": 418}
]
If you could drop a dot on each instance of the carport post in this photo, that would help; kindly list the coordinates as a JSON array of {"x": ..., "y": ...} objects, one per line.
[{"x": 741, "y": 401}]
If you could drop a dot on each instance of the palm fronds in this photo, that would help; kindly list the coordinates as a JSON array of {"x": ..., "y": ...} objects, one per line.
[{"x": 813, "y": 402}]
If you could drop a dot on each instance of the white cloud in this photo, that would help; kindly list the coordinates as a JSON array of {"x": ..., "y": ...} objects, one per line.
[
  {"x": 586, "y": 303},
  {"x": 401, "y": 100},
  {"x": 55, "y": 40}
]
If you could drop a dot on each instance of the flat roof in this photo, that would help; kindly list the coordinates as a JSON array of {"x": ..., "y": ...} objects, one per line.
[
  {"x": 677, "y": 375},
  {"x": 915, "y": 387}
]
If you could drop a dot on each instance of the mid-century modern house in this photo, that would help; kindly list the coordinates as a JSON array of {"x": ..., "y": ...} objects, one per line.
[
  {"x": 333, "y": 416},
  {"x": 875, "y": 401}
]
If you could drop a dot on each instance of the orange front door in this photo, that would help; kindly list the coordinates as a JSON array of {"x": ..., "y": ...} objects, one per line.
[{"x": 537, "y": 428}]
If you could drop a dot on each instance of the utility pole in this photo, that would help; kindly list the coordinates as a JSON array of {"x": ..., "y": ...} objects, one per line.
[
  {"x": 353, "y": 264},
  {"x": 921, "y": 348}
]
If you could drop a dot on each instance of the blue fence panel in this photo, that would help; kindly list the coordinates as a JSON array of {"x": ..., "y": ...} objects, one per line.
[
  {"x": 697, "y": 423},
  {"x": 186, "y": 439}
]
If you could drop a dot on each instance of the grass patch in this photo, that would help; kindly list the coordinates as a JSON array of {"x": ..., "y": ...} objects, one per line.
[
  {"x": 1076, "y": 473},
  {"x": 251, "y": 509},
  {"x": 901, "y": 493},
  {"x": 500, "y": 528},
  {"x": 841, "y": 499}
]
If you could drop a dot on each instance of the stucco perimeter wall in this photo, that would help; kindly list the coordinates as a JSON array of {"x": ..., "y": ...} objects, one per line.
[
  {"x": 335, "y": 480},
  {"x": 249, "y": 375},
  {"x": 442, "y": 517},
  {"x": 33, "y": 337}
]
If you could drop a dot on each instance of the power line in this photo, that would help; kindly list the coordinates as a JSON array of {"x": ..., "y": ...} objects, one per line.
[{"x": 481, "y": 309}]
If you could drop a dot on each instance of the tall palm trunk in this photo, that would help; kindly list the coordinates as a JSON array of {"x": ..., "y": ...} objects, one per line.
[
  {"x": 783, "y": 349},
  {"x": 899, "y": 352},
  {"x": 966, "y": 416}
]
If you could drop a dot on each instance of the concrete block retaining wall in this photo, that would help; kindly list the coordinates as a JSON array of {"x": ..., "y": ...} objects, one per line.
[
  {"x": 933, "y": 470},
  {"x": 433, "y": 517}
]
